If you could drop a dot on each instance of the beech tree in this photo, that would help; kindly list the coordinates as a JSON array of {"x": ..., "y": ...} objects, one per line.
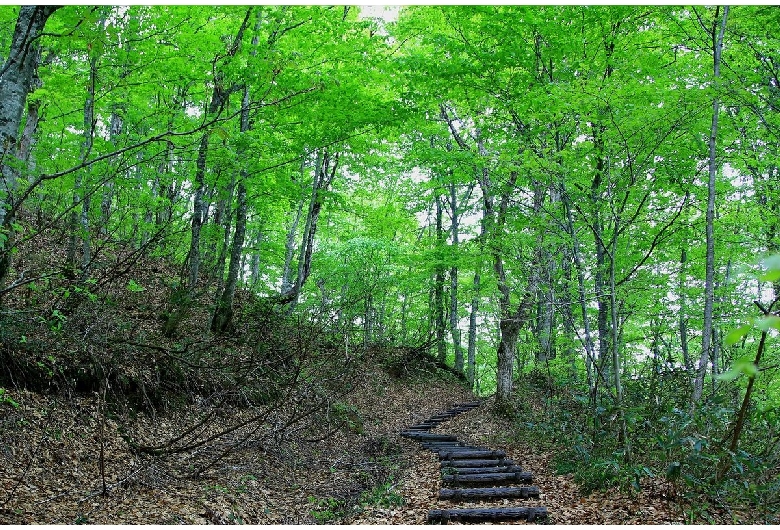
[{"x": 577, "y": 192}]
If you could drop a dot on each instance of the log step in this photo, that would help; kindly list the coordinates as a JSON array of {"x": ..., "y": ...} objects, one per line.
[
  {"x": 488, "y": 462},
  {"x": 469, "y": 405},
  {"x": 478, "y": 470},
  {"x": 456, "y": 449},
  {"x": 524, "y": 492},
  {"x": 429, "y": 436},
  {"x": 477, "y": 515},
  {"x": 440, "y": 445},
  {"x": 442, "y": 417},
  {"x": 471, "y": 455},
  {"x": 521, "y": 477}
]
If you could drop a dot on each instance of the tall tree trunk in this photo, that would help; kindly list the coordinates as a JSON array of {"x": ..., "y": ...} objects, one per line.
[
  {"x": 324, "y": 173},
  {"x": 601, "y": 252},
  {"x": 223, "y": 313},
  {"x": 79, "y": 218},
  {"x": 292, "y": 234},
  {"x": 455, "y": 235},
  {"x": 683, "y": 316},
  {"x": 590, "y": 354},
  {"x": 616, "y": 365},
  {"x": 709, "y": 279},
  {"x": 17, "y": 80},
  {"x": 223, "y": 215},
  {"x": 438, "y": 285},
  {"x": 474, "y": 312}
]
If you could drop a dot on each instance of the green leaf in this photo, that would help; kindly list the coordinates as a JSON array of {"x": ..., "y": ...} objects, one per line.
[
  {"x": 769, "y": 321},
  {"x": 772, "y": 265},
  {"x": 736, "y": 335},
  {"x": 221, "y": 132},
  {"x": 133, "y": 287},
  {"x": 743, "y": 365}
]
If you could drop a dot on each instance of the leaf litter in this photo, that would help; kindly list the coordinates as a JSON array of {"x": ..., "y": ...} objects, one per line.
[{"x": 50, "y": 454}]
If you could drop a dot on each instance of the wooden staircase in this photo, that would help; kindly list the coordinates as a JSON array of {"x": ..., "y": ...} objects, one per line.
[{"x": 475, "y": 474}]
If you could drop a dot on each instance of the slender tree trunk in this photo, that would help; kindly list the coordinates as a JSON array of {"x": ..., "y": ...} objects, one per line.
[
  {"x": 455, "y": 235},
  {"x": 223, "y": 216},
  {"x": 590, "y": 354},
  {"x": 292, "y": 234},
  {"x": 438, "y": 287},
  {"x": 222, "y": 321},
  {"x": 115, "y": 131},
  {"x": 223, "y": 314},
  {"x": 739, "y": 422},
  {"x": 324, "y": 173},
  {"x": 79, "y": 218},
  {"x": 472, "y": 345},
  {"x": 601, "y": 253},
  {"x": 683, "y": 316},
  {"x": 709, "y": 280},
  {"x": 616, "y": 365}
]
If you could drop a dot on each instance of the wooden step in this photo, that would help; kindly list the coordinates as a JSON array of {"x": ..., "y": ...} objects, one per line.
[
  {"x": 441, "y": 444},
  {"x": 469, "y": 405},
  {"x": 456, "y": 449},
  {"x": 428, "y": 436},
  {"x": 487, "y": 462},
  {"x": 478, "y": 470},
  {"x": 524, "y": 492},
  {"x": 478, "y": 515},
  {"x": 471, "y": 455},
  {"x": 520, "y": 477},
  {"x": 442, "y": 417}
]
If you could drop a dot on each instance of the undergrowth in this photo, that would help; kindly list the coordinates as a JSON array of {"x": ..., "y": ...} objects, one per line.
[{"x": 672, "y": 448}]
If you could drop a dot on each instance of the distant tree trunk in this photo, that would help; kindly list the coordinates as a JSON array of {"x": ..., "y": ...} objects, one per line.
[
  {"x": 474, "y": 312},
  {"x": 218, "y": 98},
  {"x": 709, "y": 279},
  {"x": 683, "y": 316},
  {"x": 115, "y": 131},
  {"x": 324, "y": 173},
  {"x": 79, "y": 220},
  {"x": 455, "y": 235},
  {"x": 590, "y": 353},
  {"x": 438, "y": 286},
  {"x": 254, "y": 262},
  {"x": 541, "y": 286},
  {"x": 223, "y": 216},
  {"x": 17, "y": 80},
  {"x": 616, "y": 365},
  {"x": 471, "y": 355},
  {"x": 601, "y": 252},
  {"x": 223, "y": 313},
  {"x": 292, "y": 234},
  {"x": 182, "y": 296},
  {"x": 510, "y": 322}
]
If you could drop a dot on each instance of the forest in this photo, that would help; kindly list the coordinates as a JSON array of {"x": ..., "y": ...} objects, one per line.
[{"x": 242, "y": 247}]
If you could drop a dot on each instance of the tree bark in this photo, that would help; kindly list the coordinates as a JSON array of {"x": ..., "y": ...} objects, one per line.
[
  {"x": 709, "y": 279},
  {"x": 79, "y": 220},
  {"x": 17, "y": 80},
  {"x": 438, "y": 286},
  {"x": 324, "y": 173},
  {"x": 455, "y": 235}
]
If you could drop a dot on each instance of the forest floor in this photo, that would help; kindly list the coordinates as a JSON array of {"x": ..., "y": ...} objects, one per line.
[{"x": 366, "y": 475}]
